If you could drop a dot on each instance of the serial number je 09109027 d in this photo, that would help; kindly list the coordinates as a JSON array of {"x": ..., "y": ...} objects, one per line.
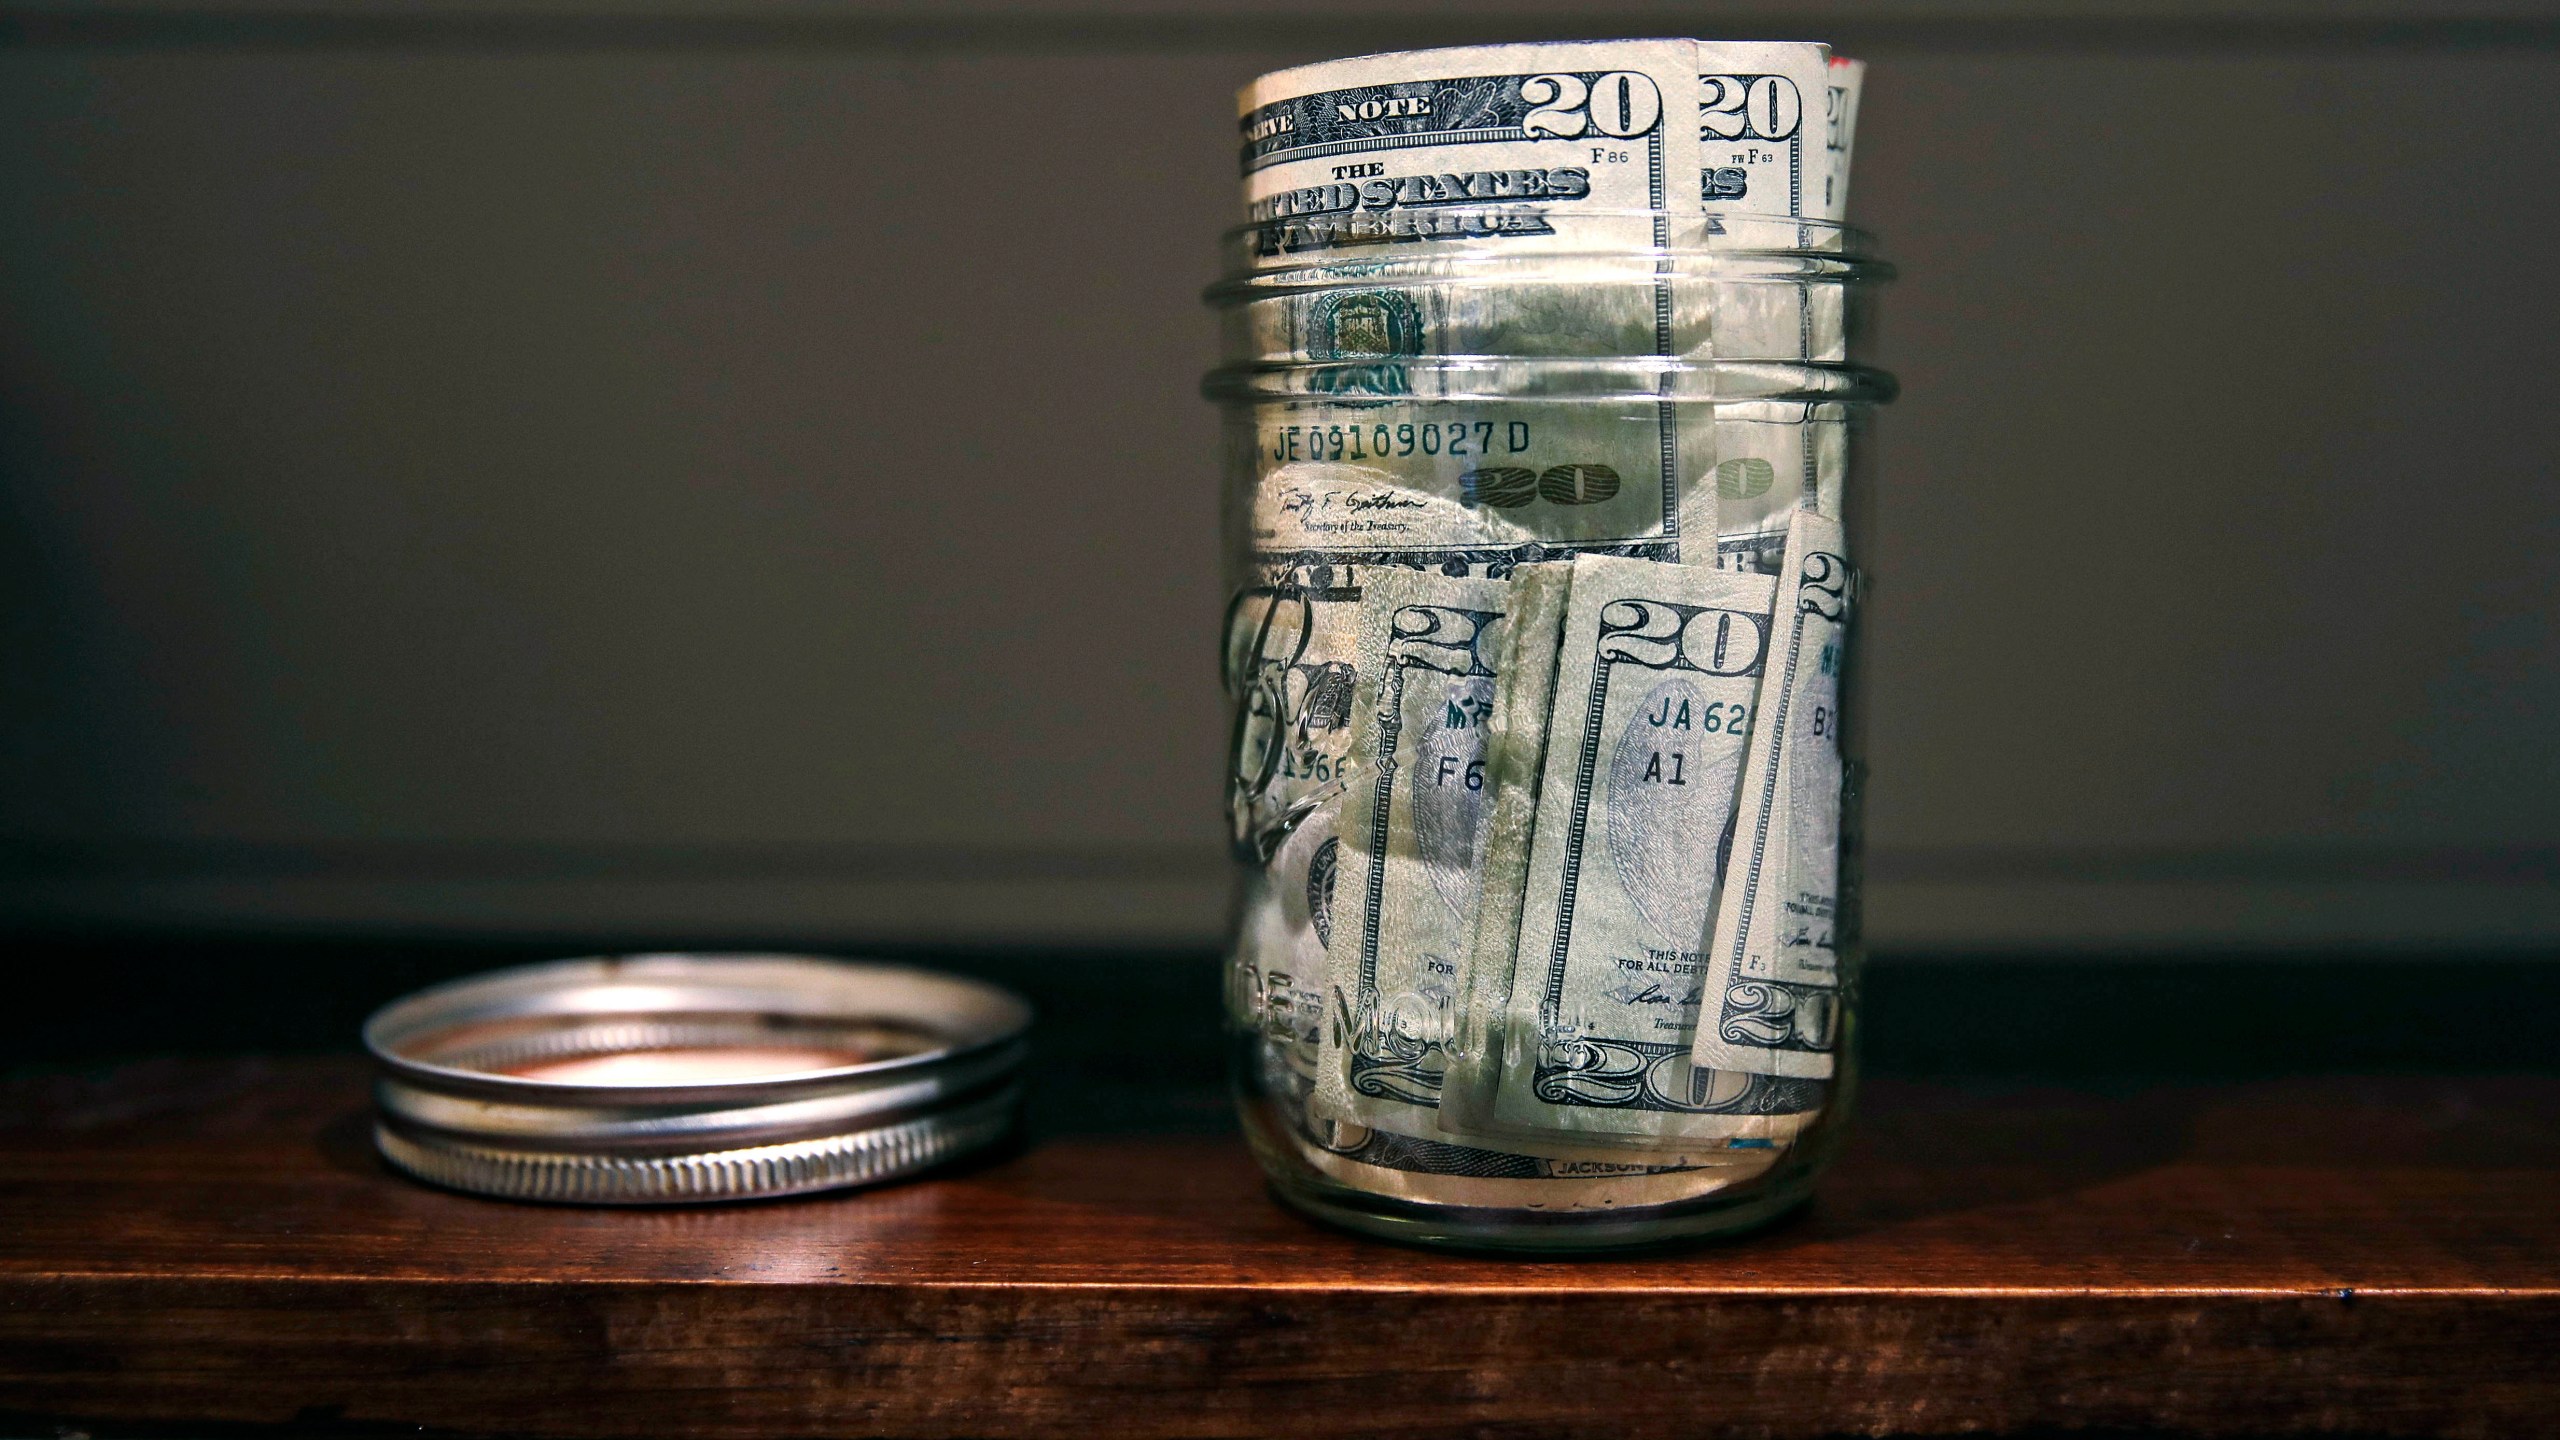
[{"x": 1384, "y": 440}]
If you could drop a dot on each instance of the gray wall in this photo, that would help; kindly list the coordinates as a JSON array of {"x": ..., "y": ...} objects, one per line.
[{"x": 738, "y": 472}]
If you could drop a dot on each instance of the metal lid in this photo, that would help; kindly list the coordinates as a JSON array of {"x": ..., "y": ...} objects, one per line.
[{"x": 670, "y": 1079}]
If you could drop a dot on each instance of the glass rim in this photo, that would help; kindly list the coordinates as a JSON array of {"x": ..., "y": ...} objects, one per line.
[
  {"x": 1585, "y": 379},
  {"x": 1684, "y": 248},
  {"x": 1721, "y": 231}
]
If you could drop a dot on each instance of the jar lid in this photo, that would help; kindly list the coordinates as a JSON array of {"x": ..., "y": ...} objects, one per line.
[{"x": 676, "y": 1079}]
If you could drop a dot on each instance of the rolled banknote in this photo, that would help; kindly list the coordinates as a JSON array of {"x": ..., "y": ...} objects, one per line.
[
  {"x": 1412, "y": 853},
  {"x": 1761, "y": 143},
  {"x": 1276, "y": 975},
  {"x": 1848, "y": 84},
  {"x": 1493, "y": 141},
  {"x": 1289, "y": 678},
  {"x": 1470, "y": 142},
  {"x": 1656, "y": 674},
  {"x": 1729, "y": 286},
  {"x": 1409, "y": 855},
  {"x": 1775, "y": 457},
  {"x": 1436, "y": 423},
  {"x": 1827, "y": 306},
  {"x": 1379, "y": 453},
  {"x": 1451, "y": 1170},
  {"x": 1770, "y": 1001},
  {"x": 1413, "y": 180},
  {"x": 1516, "y": 752},
  {"x": 1391, "y": 172},
  {"x": 1290, "y": 685},
  {"x": 1777, "y": 126},
  {"x": 1383, "y": 172},
  {"x": 1762, "y": 153},
  {"x": 1478, "y": 480}
]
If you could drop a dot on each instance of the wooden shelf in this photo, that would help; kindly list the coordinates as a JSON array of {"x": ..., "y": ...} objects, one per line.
[{"x": 213, "y": 1242}]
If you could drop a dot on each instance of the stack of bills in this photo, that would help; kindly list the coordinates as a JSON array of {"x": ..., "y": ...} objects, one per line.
[{"x": 1538, "y": 764}]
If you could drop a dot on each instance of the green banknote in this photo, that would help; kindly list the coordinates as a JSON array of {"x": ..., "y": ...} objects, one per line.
[
  {"x": 1410, "y": 852},
  {"x": 1656, "y": 682},
  {"x": 1772, "y": 983}
]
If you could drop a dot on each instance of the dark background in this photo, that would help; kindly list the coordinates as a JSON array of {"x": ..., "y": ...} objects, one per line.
[{"x": 477, "y": 480}]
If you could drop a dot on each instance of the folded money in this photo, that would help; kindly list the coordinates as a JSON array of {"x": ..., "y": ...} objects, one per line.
[
  {"x": 1705, "y": 286},
  {"x": 1410, "y": 854},
  {"x": 1504, "y": 130},
  {"x": 1847, "y": 83},
  {"x": 1446, "y": 1169},
  {"x": 1512, "y": 386},
  {"x": 1656, "y": 676},
  {"x": 1470, "y": 142},
  {"x": 1276, "y": 973},
  {"x": 1413, "y": 849},
  {"x": 1772, "y": 983},
  {"x": 1574, "y": 150},
  {"x": 1774, "y": 458},
  {"x": 1516, "y": 751},
  {"x": 1383, "y": 455}
]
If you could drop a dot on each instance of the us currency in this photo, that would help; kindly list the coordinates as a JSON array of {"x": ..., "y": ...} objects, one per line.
[
  {"x": 1351, "y": 166},
  {"x": 1774, "y": 457},
  {"x": 1777, "y": 128},
  {"x": 1826, "y": 306},
  {"x": 1410, "y": 858},
  {"x": 1385, "y": 462},
  {"x": 1290, "y": 687},
  {"x": 1762, "y": 162},
  {"x": 1515, "y": 756},
  {"x": 1317, "y": 529},
  {"x": 1848, "y": 85},
  {"x": 1493, "y": 142},
  {"x": 1456, "y": 1170},
  {"x": 1760, "y": 106},
  {"x": 1495, "y": 168},
  {"x": 1284, "y": 923},
  {"x": 1434, "y": 844},
  {"x": 1295, "y": 901},
  {"x": 1292, "y": 674},
  {"x": 1414, "y": 848},
  {"x": 1657, "y": 673},
  {"x": 1729, "y": 289},
  {"x": 1382, "y": 463},
  {"x": 1452, "y": 1169},
  {"x": 1353, "y": 169},
  {"x": 1770, "y": 1000},
  {"x": 1289, "y": 678},
  {"x": 1470, "y": 143}
]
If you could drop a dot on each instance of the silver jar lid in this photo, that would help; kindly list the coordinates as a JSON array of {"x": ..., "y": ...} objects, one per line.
[{"x": 675, "y": 1079}]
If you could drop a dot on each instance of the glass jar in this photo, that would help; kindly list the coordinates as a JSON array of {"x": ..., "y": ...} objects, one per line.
[{"x": 1545, "y": 730}]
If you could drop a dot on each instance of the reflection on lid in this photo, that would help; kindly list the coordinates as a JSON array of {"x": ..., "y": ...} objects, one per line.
[
  {"x": 699, "y": 1065},
  {"x": 673, "y": 1049}
]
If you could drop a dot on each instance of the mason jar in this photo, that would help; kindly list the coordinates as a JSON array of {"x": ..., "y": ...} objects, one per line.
[{"x": 1517, "y": 812}]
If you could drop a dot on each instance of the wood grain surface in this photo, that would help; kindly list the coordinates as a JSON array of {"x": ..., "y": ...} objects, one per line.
[{"x": 209, "y": 1242}]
